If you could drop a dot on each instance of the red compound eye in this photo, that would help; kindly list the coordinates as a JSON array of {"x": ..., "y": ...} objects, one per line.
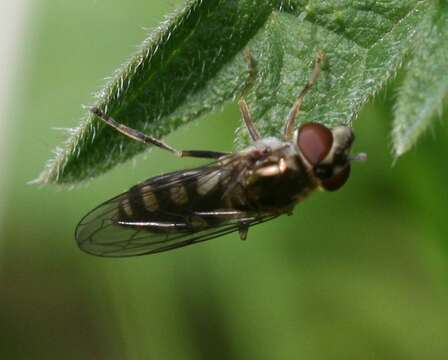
[
  {"x": 337, "y": 180},
  {"x": 314, "y": 141}
]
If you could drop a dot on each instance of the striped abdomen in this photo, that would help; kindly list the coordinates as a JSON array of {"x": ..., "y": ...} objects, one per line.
[{"x": 174, "y": 197}]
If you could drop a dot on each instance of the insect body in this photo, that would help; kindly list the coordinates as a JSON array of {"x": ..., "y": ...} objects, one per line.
[{"x": 234, "y": 192}]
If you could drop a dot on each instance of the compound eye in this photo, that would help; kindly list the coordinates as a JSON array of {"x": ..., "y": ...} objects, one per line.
[
  {"x": 337, "y": 180},
  {"x": 314, "y": 141},
  {"x": 323, "y": 172}
]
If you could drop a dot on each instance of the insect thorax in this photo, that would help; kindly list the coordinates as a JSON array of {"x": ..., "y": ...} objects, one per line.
[{"x": 277, "y": 180}]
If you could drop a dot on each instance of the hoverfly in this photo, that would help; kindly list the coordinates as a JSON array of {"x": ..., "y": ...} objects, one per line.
[{"x": 231, "y": 194}]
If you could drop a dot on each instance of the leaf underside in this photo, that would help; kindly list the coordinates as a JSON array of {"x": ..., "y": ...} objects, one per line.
[
  {"x": 194, "y": 62},
  {"x": 425, "y": 86}
]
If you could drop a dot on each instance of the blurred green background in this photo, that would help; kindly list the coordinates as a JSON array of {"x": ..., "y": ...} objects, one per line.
[{"x": 357, "y": 274}]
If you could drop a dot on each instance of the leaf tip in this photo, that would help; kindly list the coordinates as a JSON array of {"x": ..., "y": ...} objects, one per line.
[{"x": 398, "y": 150}]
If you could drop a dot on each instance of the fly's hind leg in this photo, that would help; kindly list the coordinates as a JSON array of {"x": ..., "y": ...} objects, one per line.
[
  {"x": 149, "y": 140},
  {"x": 290, "y": 121}
]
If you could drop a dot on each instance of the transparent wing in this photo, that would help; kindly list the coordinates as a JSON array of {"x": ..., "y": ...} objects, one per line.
[
  {"x": 111, "y": 240},
  {"x": 152, "y": 218}
]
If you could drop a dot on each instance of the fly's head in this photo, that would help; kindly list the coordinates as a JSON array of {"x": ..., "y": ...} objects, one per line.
[{"x": 327, "y": 153}]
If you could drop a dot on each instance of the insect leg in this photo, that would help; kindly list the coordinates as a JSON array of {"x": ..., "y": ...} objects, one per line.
[
  {"x": 149, "y": 140},
  {"x": 254, "y": 135},
  {"x": 252, "y": 70},
  {"x": 205, "y": 154},
  {"x": 251, "y": 65},
  {"x": 290, "y": 122},
  {"x": 243, "y": 229}
]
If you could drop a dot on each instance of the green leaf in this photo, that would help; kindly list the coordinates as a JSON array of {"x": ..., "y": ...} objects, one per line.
[
  {"x": 426, "y": 83},
  {"x": 194, "y": 62}
]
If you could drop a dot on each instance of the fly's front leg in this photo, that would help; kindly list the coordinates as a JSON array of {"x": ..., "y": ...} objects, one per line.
[
  {"x": 244, "y": 109},
  {"x": 245, "y": 113},
  {"x": 290, "y": 122},
  {"x": 149, "y": 140},
  {"x": 252, "y": 72}
]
